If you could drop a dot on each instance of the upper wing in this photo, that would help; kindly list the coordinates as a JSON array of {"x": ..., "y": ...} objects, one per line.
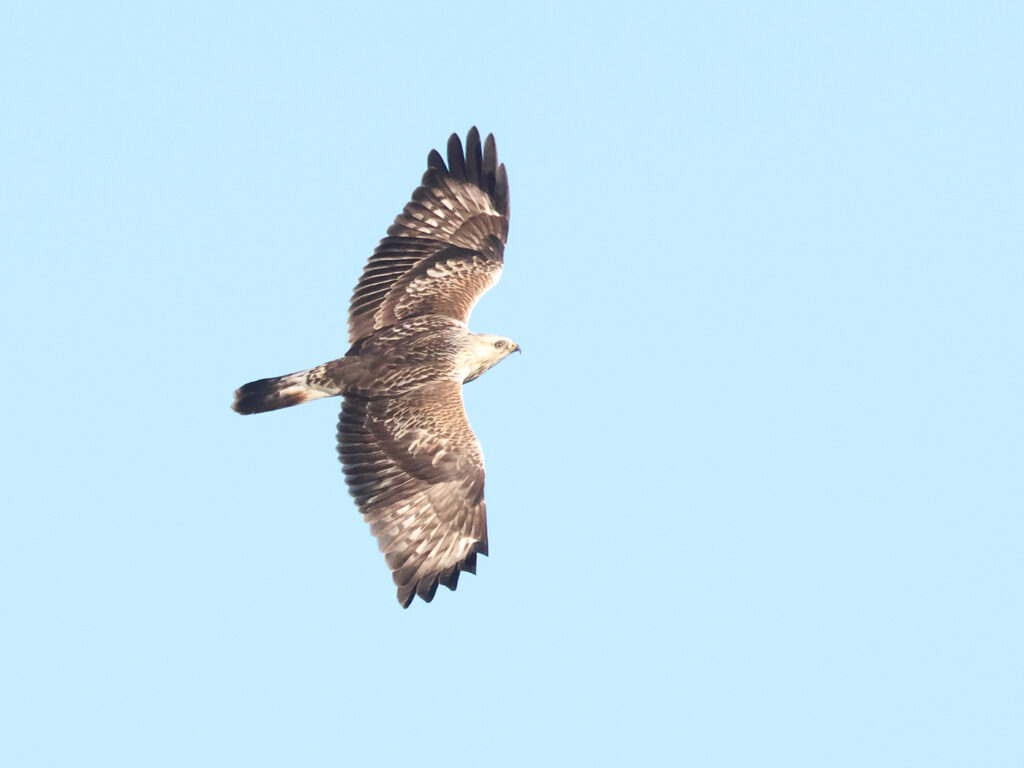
[
  {"x": 445, "y": 248},
  {"x": 415, "y": 469}
]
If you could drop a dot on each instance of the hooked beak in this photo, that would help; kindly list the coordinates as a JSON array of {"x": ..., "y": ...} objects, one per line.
[{"x": 518, "y": 348}]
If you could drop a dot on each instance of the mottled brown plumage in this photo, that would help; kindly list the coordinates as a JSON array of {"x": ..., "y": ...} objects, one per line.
[
  {"x": 445, "y": 248},
  {"x": 410, "y": 458}
]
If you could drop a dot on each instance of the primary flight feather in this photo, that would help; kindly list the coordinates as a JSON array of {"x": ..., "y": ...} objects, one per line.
[{"x": 410, "y": 458}]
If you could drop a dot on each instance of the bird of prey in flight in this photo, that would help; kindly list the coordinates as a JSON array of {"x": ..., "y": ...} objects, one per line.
[{"x": 410, "y": 458}]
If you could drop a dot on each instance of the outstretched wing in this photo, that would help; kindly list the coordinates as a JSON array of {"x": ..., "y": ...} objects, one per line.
[
  {"x": 445, "y": 248},
  {"x": 415, "y": 469}
]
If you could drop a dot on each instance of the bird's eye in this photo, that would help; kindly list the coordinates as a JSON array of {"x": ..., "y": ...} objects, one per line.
[{"x": 499, "y": 344}]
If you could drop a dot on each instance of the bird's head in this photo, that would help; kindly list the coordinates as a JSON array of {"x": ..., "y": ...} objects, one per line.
[{"x": 487, "y": 351}]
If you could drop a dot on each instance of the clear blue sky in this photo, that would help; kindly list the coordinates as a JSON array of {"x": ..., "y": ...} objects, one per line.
[{"x": 755, "y": 487}]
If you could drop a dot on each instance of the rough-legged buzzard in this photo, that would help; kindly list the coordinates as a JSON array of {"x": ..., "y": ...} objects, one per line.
[{"x": 410, "y": 459}]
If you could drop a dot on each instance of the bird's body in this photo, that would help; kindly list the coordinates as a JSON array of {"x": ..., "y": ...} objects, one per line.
[
  {"x": 410, "y": 458},
  {"x": 391, "y": 362}
]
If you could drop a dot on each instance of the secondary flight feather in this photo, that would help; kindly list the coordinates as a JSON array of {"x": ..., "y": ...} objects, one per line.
[{"x": 410, "y": 458}]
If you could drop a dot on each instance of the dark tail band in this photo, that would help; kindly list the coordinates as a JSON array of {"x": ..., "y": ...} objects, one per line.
[{"x": 273, "y": 394}]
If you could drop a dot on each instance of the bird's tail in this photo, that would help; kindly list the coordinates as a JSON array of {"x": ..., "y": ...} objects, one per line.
[{"x": 277, "y": 392}]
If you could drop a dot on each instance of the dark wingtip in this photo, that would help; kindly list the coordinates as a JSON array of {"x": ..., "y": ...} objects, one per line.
[
  {"x": 405, "y": 600},
  {"x": 427, "y": 588},
  {"x": 456, "y": 159},
  {"x": 477, "y": 164},
  {"x": 434, "y": 160},
  {"x": 501, "y": 190},
  {"x": 450, "y": 578},
  {"x": 490, "y": 160},
  {"x": 474, "y": 157},
  {"x": 409, "y": 588}
]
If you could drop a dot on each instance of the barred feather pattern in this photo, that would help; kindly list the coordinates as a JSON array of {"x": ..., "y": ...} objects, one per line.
[
  {"x": 416, "y": 472},
  {"x": 446, "y": 247}
]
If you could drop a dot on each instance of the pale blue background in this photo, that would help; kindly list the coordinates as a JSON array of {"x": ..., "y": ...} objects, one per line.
[{"x": 755, "y": 486}]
